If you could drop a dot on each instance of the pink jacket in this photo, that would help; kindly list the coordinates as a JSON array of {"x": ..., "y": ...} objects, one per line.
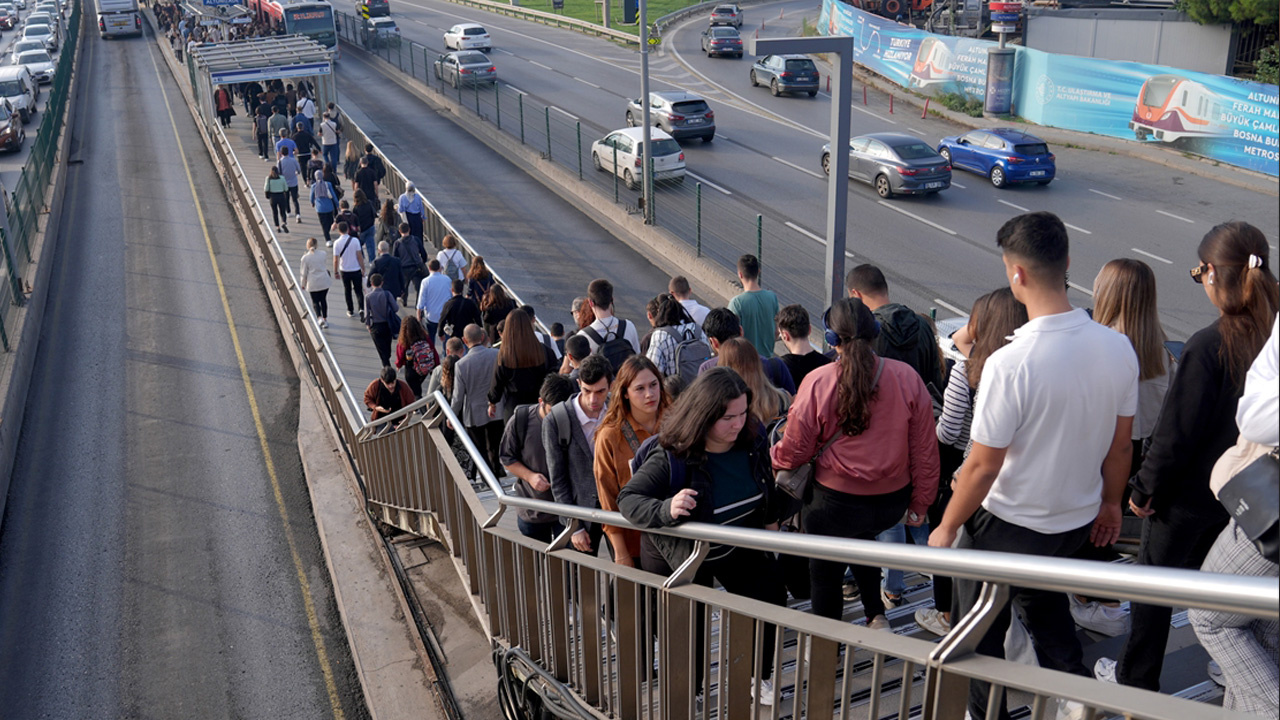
[{"x": 898, "y": 447}]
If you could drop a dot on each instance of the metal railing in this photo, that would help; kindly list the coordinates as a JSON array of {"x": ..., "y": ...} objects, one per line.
[
  {"x": 553, "y": 19},
  {"x": 26, "y": 202}
]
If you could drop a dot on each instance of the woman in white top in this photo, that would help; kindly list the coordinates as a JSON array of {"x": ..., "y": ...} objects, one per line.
[
  {"x": 452, "y": 262},
  {"x": 314, "y": 278}
]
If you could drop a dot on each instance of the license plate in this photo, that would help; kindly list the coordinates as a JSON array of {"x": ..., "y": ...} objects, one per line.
[
  {"x": 693, "y": 121},
  {"x": 932, "y": 185},
  {"x": 1036, "y": 173}
]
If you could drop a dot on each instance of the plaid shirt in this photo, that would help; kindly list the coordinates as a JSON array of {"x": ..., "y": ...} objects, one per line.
[{"x": 662, "y": 346}]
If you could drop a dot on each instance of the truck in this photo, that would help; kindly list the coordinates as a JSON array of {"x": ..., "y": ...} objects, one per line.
[{"x": 118, "y": 17}]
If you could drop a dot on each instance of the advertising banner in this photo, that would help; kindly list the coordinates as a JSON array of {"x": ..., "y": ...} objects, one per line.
[{"x": 1227, "y": 119}]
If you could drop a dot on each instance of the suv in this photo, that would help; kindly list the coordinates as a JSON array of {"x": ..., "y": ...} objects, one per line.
[
  {"x": 726, "y": 15},
  {"x": 680, "y": 114},
  {"x": 785, "y": 73},
  {"x": 373, "y": 8},
  {"x": 468, "y": 36},
  {"x": 11, "y": 133},
  {"x": 381, "y": 32},
  {"x": 20, "y": 89}
]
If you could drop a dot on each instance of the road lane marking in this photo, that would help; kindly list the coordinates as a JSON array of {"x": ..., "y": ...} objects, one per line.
[
  {"x": 912, "y": 215},
  {"x": 1153, "y": 256},
  {"x": 303, "y": 583},
  {"x": 586, "y": 82},
  {"x": 1107, "y": 195},
  {"x": 505, "y": 52},
  {"x": 802, "y": 231},
  {"x": 794, "y": 166},
  {"x": 516, "y": 89},
  {"x": 950, "y": 307},
  {"x": 1078, "y": 229},
  {"x": 956, "y": 184},
  {"x": 1081, "y": 288},
  {"x": 545, "y": 67},
  {"x": 566, "y": 113},
  {"x": 707, "y": 182},
  {"x": 1015, "y": 207},
  {"x": 1176, "y": 217}
]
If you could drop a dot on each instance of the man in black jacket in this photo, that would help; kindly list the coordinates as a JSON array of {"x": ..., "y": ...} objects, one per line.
[
  {"x": 458, "y": 312},
  {"x": 904, "y": 335},
  {"x": 388, "y": 266}
]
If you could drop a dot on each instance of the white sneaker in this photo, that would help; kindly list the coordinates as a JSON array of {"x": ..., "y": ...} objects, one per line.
[
  {"x": 891, "y": 601},
  {"x": 328, "y": 243},
  {"x": 1070, "y": 710},
  {"x": 1105, "y": 670},
  {"x": 1215, "y": 674},
  {"x": 933, "y": 621},
  {"x": 298, "y": 217},
  {"x": 1108, "y": 620},
  {"x": 764, "y": 691},
  {"x": 879, "y": 622}
]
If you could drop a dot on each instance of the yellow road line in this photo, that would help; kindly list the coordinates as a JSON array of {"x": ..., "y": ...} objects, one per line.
[{"x": 334, "y": 701}]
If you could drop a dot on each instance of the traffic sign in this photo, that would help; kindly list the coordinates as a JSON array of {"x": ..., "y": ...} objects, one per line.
[
  {"x": 1004, "y": 7},
  {"x": 1004, "y": 28},
  {"x": 1005, "y": 17},
  {"x": 655, "y": 40}
]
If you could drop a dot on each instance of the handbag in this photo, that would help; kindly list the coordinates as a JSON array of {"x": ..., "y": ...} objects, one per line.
[
  {"x": 1247, "y": 481},
  {"x": 796, "y": 482}
]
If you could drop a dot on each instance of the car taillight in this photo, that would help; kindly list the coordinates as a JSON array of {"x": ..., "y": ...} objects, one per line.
[
  {"x": 463, "y": 71},
  {"x": 908, "y": 171},
  {"x": 677, "y": 118},
  {"x": 946, "y": 168},
  {"x": 1015, "y": 159},
  {"x": 1050, "y": 156},
  {"x": 711, "y": 114},
  {"x": 102, "y": 24},
  {"x": 137, "y": 22},
  {"x": 637, "y": 162},
  {"x": 493, "y": 68},
  {"x": 681, "y": 157},
  {"x": 784, "y": 75}
]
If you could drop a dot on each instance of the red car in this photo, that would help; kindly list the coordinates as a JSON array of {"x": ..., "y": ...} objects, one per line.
[{"x": 8, "y": 19}]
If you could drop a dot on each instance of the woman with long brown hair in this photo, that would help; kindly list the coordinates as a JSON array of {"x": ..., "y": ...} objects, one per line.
[
  {"x": 869, "y": 422},
  {"x": 637, "y": 401},
  {"x": 767, "y": 402},
  {"x": 1182, "y": 518},
  {"x": 388, "y": 229},
  {"x": 495, "y": 306},
  {"x": 522, "y": 364},
  {"x": 479, "y": 280},
  {"x": 415, "y": 353}
]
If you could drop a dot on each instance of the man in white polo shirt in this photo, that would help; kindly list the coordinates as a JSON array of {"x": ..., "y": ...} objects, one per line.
[{"x": 1051, "y": 448}]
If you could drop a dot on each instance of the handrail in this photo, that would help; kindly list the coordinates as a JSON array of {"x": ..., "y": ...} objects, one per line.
[{"x": 1256, "y": 597}]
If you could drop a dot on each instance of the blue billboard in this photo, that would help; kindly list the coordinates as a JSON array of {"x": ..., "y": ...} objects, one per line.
[{"x": 1226, "y": 119}]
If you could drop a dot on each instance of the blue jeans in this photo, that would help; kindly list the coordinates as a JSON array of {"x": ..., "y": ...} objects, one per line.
[
  {"x": 543, "y": 532},
  {"x": 331, "y": 155},
  {"x": 366, "y": 239},
  {"x": 894, "y": 583}
]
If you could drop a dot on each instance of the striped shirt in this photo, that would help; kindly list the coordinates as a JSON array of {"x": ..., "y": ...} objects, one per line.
[{"x": 957, "y": 410}]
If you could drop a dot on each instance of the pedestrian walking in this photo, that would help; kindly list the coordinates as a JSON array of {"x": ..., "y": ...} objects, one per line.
[
  {"x": 755, "y": 307},
  {"x": 304, "y": 141},
  {"x": 382, "y": 317},
  {"x": 521, "y": 454},
  {"x": 452, "y": 261},
  {"x": 348, "y": 261},
  {"x": 411, "y": 206},
  {"x": 388, "y": 225},
  {"x": 350, "y": 161},
  {"x": 291, "y": 172},
  {"x": 413, "y": 262},
  {"x": 315, "y": 279},
  {"x": 277, "y": 192},
  {"x": 522, "y": 364},
  {"x": 387, "y": 394},
  {"x": 388, "y": 266},
  {"x": 329, "y": 137},
  {"x": 262, "y": 132},
  {"x": 472, "y": 378},
  {"x": 366, "y": 218},
  {"x": 366, "y": 179},
  {"x": 225, "y": 105},
  {"x": 416, "y": 353},
  {"x": 322, "y": 199},
  {"x": 479, "y": 279},
  {"x": 495, "y": 306}
]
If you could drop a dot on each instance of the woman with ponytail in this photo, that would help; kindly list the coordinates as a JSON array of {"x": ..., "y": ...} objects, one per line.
[
  {"x": 869, "y": 422},
  {"x": 1197, "y": 424}
]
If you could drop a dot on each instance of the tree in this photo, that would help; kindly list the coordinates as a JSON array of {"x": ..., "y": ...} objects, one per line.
[
  {"x": 1267, "y": 68},
  {"x": 1214, "y": 12}
]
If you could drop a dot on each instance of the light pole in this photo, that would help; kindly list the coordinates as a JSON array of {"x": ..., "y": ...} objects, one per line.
[{"x": 646, "y": 141}]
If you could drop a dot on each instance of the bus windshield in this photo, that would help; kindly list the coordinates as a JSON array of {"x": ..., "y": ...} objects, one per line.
[{"x": 315, "y": 22}]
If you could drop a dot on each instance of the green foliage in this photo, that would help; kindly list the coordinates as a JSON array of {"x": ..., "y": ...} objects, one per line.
[
  {"x": 1267, "y": 68},
  {"x": 1213, "y": 12},
  {"x": 961, "y": 103},
  {"x": 589, "y": 11}
]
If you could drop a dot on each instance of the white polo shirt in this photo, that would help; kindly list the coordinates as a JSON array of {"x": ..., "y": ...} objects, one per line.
[
  {"x": 1052, "y": 396},
  {"x": 609, "y": 326}
]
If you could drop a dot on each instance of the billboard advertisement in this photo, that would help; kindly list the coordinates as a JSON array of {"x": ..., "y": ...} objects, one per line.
[{"x": 1227, "y": 119}]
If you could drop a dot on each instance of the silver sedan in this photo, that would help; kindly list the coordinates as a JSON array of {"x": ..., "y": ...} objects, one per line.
[{"x": 466, "y": 67}]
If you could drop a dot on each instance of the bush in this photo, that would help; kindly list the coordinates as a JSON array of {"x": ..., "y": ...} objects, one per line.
[
  {"x": 961, "y": 103},
  {"x": 1267, "y": 67}
]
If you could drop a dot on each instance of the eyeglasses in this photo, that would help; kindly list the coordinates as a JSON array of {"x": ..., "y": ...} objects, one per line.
[{"x": 1197, "y": 272}]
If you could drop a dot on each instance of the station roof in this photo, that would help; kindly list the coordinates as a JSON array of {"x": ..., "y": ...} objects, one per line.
[{"x": 263, "y": 58}]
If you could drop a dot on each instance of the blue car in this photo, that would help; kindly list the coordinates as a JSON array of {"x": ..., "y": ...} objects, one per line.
[{"x": 1005, "y": 155}]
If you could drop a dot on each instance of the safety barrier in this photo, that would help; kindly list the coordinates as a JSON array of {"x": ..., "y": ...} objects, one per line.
[{"x": 26, "y": 202}]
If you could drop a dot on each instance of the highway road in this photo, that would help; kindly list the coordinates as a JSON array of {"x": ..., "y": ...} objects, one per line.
[
  {"x": 158, "y": 556},
  {"x": 938, "y": 250}
]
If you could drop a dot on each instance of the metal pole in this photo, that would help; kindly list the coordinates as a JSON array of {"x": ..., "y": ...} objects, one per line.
[
  {"x": 477, "y": 87},
  {"x": 615, "y": 174},
  {"x": 547, "y": 113},
  {"x": 579, "y": 150},
  {"x": 520, "y": 102},
  {"x": 760, "y": 242},
  {"x": 457, "y": 81},
  {"x": 699, "y": 223},
  {"x": 497, "y": 104},
  {"x": 646, "y": 143}
]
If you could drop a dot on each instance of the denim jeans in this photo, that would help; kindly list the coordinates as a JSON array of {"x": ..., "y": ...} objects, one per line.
[
  {"x": 366, "y": 239},
  {"x": 331, "y": 155},
  {"x": 893, "y": 582}
]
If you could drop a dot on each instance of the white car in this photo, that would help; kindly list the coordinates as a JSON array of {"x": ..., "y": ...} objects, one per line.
[
  {"x": 39, "y": 64},
  {"x": 44, "y": 34},
  {"x": 468, "y": 36},
  {"x": 668, "y": 158},
  {"x": 22, "y": 46}
]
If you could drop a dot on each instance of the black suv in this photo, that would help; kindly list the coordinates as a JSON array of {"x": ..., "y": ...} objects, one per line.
[{"x": 374, "y": 8}]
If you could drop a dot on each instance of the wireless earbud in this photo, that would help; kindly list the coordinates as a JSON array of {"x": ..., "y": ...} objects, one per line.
[{"x": 1016, "y": 276}]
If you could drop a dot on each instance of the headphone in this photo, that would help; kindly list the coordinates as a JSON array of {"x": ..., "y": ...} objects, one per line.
[{"x": 827, "y": 333}]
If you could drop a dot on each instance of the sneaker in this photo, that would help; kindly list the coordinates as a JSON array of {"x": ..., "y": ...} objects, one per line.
[
  {"x": 1070, "y": 710},
  {"x": 1105, "y": 670},
  {"x": 285, "y": 228},
  {"x": 1108, "y": 620},
  {"x": 764, "y": 691},
  {"x": 850, "y": 591},
  {"x": 324, "y": 323},
  {"x": 350, "y": 314},
  {"x": 328, "y": 243},
  {"x": 361, "y": 314},
  {"x": 933, "y": 621},
  {"x": 298, "y": 217},
  {"x": 879, "y": 622},
  {"x": 890, "y": 601},
  {"x": 1215, "y": 674}
]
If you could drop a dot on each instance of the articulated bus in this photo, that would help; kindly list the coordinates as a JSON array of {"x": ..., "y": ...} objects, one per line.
[
  {"x": 310, "y": 18},
  {"x": 1171, "y": 107}
]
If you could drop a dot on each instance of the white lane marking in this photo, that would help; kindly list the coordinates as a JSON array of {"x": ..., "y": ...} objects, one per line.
[
  {"x": 1081, "y": 288},
  {"x": 566, "y": 113},
  {"x": 956, "y": 184},
  {"x": 505, "y": 52},
  {"x": 516, "y": 89},
  {"x": 1015, "y": 207},
  {"x": 850, "y": 255},
  {"x": 912, "y": 215},
  {"x": 1153, "y": 256},
  {"x": 586, "y": 82},
  {"x": 545, "y": 67},
  {"x": 806, "y": 233},
  {"x": 1107, "y": 195},
  {"x": 794, "y": 166},
  {"x": 707, "y": 182},
  {"x": 1176, "y": 217},
  {"x": 950, "y": 307},
  {"x": 1078, "y": 229}
]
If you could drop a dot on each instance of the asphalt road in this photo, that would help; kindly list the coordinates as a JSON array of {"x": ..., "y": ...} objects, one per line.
[
  {"x": 938, "y": 250},
  {"x": 11, "y": 162},
  {"x": 146, "y": 569}
]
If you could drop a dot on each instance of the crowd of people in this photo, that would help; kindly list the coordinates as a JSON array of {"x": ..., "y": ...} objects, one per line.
[
  {"x": 1055, "y": 420},
  {"x": 184, "y": 30}
]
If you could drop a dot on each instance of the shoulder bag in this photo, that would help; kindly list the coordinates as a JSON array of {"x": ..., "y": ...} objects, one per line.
[{"x": 1246, "y": 479}]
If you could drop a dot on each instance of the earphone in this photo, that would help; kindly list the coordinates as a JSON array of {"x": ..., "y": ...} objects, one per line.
[
  {"x": 827, "y": 333},
  {"x": 1016, "y": 276}
]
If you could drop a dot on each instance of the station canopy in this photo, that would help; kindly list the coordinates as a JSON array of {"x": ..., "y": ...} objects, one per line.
[{"x": 261, "y": 59}]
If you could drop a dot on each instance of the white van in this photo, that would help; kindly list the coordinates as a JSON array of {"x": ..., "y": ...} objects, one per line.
[{"x": 20, "y": 89}]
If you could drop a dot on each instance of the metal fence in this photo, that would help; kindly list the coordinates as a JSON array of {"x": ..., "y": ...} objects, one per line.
[{"x": 26, "y": 202}]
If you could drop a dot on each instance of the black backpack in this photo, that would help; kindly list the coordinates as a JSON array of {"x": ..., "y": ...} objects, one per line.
[{"x": 614, "y": 346}]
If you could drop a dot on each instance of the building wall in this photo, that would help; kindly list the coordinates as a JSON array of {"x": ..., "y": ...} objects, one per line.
[{"x": 1158, "y": 37}]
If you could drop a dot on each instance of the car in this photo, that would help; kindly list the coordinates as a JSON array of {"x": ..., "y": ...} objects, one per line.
[
  {"x": 8, "y": 18},
  {"x": 12, "y": 134},
  {"x": 381, "y": 32},
  {"x": 721, "y": 40},
  {"x": 679, "y": 114},
  {"x": 1004, "y": 155},
  {"x": 626, "y": 146},
  {"x": 47, "y": 7},
  {"x": 22, "y": 46},
  {"x": 785, "y": 73},
  {"x": 468, "y": 36},
  {"x": 466, "y": 67},
  {"x": 894, "y": 164},
  {"x": 44, "y": 34},
  {"x": 42, "y": 18},
  {"x": 20, "y": 89},
  {"x": 726, "y": 15},
  {"x": 39, "y": 63},
  {"x": 373, "y": 8}
]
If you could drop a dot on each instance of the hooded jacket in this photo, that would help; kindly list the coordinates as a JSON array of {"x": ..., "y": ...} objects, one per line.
[{"x": 906, "y": 336}]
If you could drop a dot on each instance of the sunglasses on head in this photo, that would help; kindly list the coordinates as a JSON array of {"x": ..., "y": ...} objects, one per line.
[{"x": 1197, "y": 273}]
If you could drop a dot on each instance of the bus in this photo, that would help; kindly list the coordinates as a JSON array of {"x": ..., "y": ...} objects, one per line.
[
  {"x": 310, "y": 18},
  {"x": 118, "y": 17}
]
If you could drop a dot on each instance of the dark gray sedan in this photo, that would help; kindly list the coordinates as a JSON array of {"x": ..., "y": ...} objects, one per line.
[
  {"x": 466, "y": 67},
  {"x": 894, "y": 164}
]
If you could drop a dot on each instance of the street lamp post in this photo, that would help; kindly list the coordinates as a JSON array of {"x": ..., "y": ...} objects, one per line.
[{"x": 647, "y": 132}]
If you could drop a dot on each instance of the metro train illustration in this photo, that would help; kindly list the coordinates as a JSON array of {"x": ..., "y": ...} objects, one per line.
[
  {"x": 1171, "y": 108},
  {"x": 933, "y": 64}
]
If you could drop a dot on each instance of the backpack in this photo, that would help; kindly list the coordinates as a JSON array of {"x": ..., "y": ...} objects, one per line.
[
  {"x": 264, "y": 126},
  {"x": 424, "y": 356},
  {"x": 615, "y": 349},
  {"x": 560, "y": 416},
  {"x": 679, "y": 470},
  {"x": 451, "y": 267},
  {"x": 691, "y": 351}
]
